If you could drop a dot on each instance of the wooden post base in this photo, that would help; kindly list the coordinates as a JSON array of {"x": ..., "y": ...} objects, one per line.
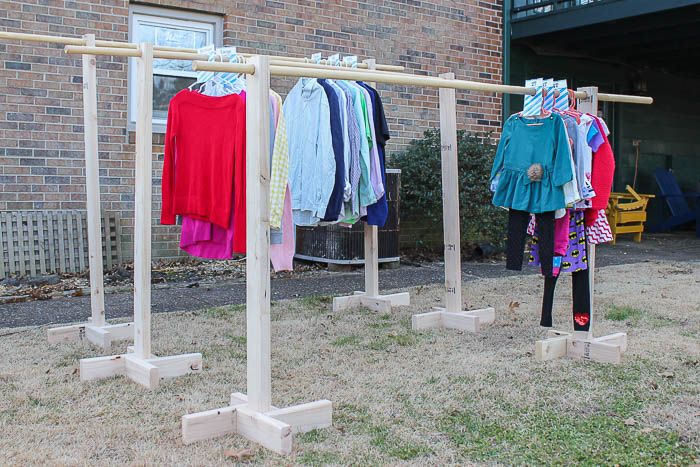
[
  {"x": 440, "y": 318},
  {"x": 606, "y": 349},
  {"x": 382, "y": 303},
  {"x": 101, "y": 336},
  {"x": 273, "y": 429},
  {"x": 146, "y": 372}
]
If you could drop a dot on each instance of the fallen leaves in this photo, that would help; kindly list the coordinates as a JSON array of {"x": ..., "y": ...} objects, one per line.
[{"x": 239, "y": 454}]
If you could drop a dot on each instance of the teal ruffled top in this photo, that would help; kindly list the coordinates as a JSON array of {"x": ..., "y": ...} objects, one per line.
[{"x": 524, "y": 142}]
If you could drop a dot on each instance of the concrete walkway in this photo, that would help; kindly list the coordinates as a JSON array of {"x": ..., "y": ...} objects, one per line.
[{"x": 178, "y": 297}]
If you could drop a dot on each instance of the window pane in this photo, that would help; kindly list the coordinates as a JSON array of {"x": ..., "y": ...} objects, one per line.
[
  {"x": 171, "y": 36},
  {"x": 164, "y": 88}
]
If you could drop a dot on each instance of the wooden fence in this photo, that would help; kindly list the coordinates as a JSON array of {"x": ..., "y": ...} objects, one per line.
[{"x": 33, "y": 243}]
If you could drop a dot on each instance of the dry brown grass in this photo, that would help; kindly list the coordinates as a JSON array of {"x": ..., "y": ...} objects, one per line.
[{"x": 426, "y": 398}]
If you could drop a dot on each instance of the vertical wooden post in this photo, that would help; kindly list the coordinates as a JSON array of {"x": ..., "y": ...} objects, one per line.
[
  {"x": 92, "y": 185},
  {"x": 589, "y": 105},
  {"x": 371, "y": 240},
  {"x": 450, "y": 197},
  {"x": 142, "y": 206},
  {"x": 258, "y": 235},
  {"x": 370, "y": 298}
]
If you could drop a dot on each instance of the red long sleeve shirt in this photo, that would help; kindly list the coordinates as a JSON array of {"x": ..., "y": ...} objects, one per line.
[{"x": 204, "y": 166}]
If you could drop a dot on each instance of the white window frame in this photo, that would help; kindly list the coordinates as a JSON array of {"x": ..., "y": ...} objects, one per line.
[{"x": 211, "y": 24}]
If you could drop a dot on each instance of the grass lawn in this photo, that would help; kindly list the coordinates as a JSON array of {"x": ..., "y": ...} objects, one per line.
[{"x": 437, "y": 397}]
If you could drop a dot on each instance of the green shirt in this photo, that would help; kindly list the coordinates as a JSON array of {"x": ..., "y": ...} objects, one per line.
[{"x": 528, "y": 141}]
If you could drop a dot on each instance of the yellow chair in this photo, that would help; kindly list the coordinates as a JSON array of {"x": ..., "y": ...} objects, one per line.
[{"x": 627, "y": 213}]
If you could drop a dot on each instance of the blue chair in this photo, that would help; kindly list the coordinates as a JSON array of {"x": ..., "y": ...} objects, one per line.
[{"x": 677, "y": 202}]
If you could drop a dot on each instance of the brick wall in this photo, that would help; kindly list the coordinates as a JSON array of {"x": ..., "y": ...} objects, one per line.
[{"x": 41, "y": 158}]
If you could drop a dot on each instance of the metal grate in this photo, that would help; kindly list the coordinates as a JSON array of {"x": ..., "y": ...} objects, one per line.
[
  {"x": 340, "y": 245},
  {"x": 48, "y": 242}
]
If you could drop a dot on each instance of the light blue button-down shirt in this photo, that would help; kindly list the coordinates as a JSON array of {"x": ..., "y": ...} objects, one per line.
[{"x": 311, "y": 157}]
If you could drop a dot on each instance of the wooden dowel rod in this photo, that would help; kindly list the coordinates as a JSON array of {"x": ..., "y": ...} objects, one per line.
[
  {"x": 406, "y": 79},
  {"x": 157, "y": 48},
  {"x": 321, "y": 71},
  {"x": 111, "y": 51}
]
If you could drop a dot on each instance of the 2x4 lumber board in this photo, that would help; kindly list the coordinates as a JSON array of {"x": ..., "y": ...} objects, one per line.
[
  {"x": 102, "y": 367},
  {"x": 347, "y": 302},
  {"x": 485, "y": 315},
  {"x": 264, "y": 430},
  {"x": 92, "y": 185},
  {"x": 429, "y": 320},
  {"x": 208, "y": 424},
  {"x": 371, "y": 238},
  {"x": 69, "y": 333},
  {"x": 461, "y": 321},
  {"x": 305, "y": 417},
  {"x": 551, "y": 348},
  {"x": 618, "y": 338},
  {"x": 142, "y": 214},
  {"x": 258, "y": 237},
  {"x": 121, "y": 331},
  {"x": 141, "y": 371},
  {"x": 378, "y": 304},
  {"x": 450, "y": 197},
  {"x": 173, "y": 366},
  {"x": 302, "y": 417},
  {"x": 589, "y": 104},
  {"x": 596, "y": 351},
  {"x": 398, "y": 299},
  {"x": 98, "y": 336}
]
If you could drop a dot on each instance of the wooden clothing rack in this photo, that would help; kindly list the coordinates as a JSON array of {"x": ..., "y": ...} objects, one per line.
[
  {"x": 253, "y": 415},
  {"x": 96, "y": 330}
]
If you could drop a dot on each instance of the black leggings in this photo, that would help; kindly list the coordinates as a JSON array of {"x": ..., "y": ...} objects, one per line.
[
  {"x": 581, "y": 296},
  {"x": 517, "y": 230}
]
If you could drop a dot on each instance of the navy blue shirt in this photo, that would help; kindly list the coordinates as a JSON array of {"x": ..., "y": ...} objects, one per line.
[
  {"x": 378, "y": 212},
  {"x": 335, "y": 204}
]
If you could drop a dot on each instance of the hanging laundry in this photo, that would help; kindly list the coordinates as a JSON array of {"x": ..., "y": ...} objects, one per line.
[
  {"x": 378, "y": 212},
  {"x": 209, "y": 181},
  {"x": 311, "y": 157},
  {"x": 533, "y": 161},
  {"x": 567, "y": 213}
]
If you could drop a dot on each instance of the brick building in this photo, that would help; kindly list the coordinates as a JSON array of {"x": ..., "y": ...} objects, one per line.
[{"x": 41, "y": 134}]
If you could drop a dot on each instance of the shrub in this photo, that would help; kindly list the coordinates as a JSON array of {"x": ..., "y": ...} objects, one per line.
[{"x": 421, "y": 186}]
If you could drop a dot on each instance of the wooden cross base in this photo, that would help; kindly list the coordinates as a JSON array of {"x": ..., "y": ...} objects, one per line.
[
  {"x": 101, "y": 336},
  {"x": 580, "y": 345},
  {"x": 146, "y": 372},
  {"x": 440, "y": 318},
  {"x": 381, "y": 303},
  {"x": 273, "y": 429}
]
